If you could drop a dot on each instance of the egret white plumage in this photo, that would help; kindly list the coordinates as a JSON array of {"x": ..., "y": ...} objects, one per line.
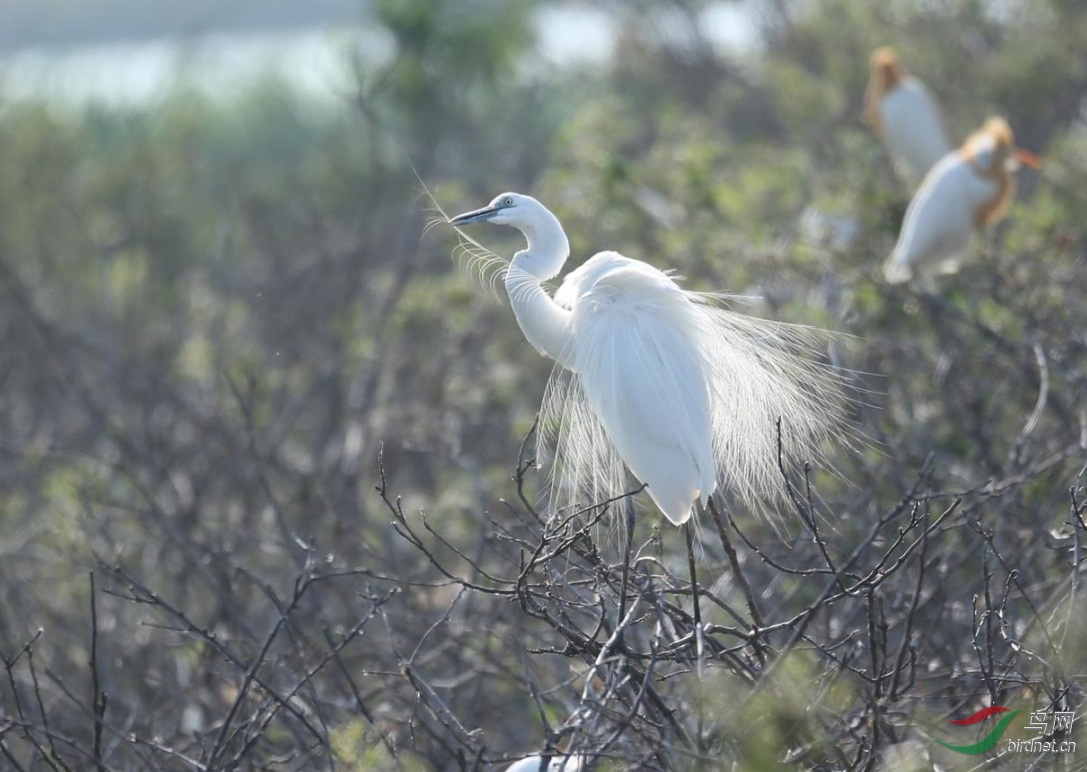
[
  {"x": 656, "y": 379},
  {"x": 557, "y": 764},
  {"x": 967, "y": 190},
  {"x": 901, "y": 109}
]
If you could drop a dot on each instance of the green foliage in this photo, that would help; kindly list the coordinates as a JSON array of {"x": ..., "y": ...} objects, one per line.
[{"x": 359, "y": 749}]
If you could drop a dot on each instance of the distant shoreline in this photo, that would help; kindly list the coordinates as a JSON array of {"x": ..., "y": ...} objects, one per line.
[
  {"x": 34, "y": 25},
  {"x": 31, "y": 24},
  {"x": 142, "y": 59}
]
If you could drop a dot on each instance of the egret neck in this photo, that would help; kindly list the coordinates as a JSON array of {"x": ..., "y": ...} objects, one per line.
[{"x": 544, "y": 322}]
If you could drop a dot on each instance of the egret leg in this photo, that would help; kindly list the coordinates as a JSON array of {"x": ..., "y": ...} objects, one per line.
[
  {"x": 628, "y": 513},
  {"x": 699, "y": 641}
]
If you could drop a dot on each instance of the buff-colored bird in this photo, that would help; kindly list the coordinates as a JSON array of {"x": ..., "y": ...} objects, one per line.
[
  {"x": 901, "y": 110},
  {"x": 967, "y": 190}
]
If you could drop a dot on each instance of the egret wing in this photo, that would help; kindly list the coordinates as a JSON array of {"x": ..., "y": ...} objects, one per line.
[
  {"x": 913, "y": 127},
  {"x": 768, "y": 374},
  {"x": 938, "y": 221},
  {"x": 640, "y": 387}
]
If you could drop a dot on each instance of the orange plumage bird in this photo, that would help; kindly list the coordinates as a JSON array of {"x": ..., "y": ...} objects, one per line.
[
  {"x": 901, "y": 109},
  {"x": 967, "y": 190}
]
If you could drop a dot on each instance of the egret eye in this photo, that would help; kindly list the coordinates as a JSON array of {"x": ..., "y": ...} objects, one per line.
[{"x": 508, "y": 202}]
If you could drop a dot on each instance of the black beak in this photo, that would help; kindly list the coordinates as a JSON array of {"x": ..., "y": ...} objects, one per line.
[{"x": 479, "y": 215}]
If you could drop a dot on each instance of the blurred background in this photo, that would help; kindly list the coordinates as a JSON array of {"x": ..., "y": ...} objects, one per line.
[{"x": 219, "y": 301}]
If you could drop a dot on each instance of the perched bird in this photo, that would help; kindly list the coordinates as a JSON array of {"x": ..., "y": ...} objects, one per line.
[
  {"x": 967, "y": 190},
  {"x": 656, "y": 379},
  {"x": 901, "y": 110},
  {"x": 557, "y": 764}
]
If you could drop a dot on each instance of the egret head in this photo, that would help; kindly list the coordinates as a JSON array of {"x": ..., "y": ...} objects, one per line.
[
  {"x": 992, "y": 149},
  {"x": 506, "y": 209},
  {"x": 887, "y": 71},
  {"x": 547, "y": 244},
  {"x": 886, "y": 74}
]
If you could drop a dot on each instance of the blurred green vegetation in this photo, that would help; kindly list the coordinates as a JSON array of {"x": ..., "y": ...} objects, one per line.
[{"x": 213, "y": 313}]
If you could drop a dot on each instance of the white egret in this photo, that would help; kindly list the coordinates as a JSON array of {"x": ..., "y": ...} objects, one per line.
[
  {"x": 557, "y": 764},
  {"x": 967, "y": 190},
  {"x": 656, "y": 379},
  {"x": 903, "y": 112}
]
